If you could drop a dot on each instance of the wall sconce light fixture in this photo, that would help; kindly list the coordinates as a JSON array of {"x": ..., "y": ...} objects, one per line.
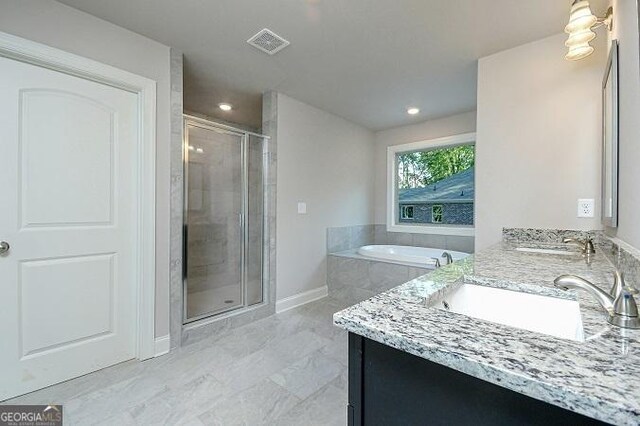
[{"x": 579, "y": 28}]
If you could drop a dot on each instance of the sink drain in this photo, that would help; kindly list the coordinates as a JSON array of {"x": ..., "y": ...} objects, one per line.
[{"x": 446, "y": 305}]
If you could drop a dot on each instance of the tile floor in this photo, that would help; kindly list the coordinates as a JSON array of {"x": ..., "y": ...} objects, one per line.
[{"x": 287, "y": 369}]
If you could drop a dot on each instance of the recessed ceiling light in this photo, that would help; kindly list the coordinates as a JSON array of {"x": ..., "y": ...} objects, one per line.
[
  {"x": 192, "y": 148},
  {"x": 413, "y": 110},
  {"x": 225, "y": 107},
  {"x": 199, "y": 150}
]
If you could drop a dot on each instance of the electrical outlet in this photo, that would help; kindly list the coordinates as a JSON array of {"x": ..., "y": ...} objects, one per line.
[
  {"x": 586, "y": 207},
  {"x": 302, "y": 207}
]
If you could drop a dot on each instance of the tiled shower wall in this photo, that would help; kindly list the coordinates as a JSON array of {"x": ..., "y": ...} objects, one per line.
[
  {"x": 180, "y": 336},
  {"x": 223, "y": 322},
  {"x": 351, "y": 237}
]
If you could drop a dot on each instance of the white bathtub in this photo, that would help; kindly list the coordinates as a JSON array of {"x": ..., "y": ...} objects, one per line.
[{"x": 407, "y": 254}]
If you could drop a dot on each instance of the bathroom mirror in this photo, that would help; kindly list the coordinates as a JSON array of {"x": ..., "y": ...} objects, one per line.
[{"x": 610, "y": 139}]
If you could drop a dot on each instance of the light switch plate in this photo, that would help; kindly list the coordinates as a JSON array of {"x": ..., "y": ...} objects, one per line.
[
  {"x": 586, "y": 207},
  {"x": 302, "y": 207}
]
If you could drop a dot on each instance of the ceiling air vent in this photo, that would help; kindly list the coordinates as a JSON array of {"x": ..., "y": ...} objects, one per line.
[{"x": 268, "y": 41}]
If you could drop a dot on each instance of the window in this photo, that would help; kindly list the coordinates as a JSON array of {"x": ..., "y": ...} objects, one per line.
[
  {"x": 432, "y": 186},
  {"x": 406, "y": 212},
  {"x": 436, "y": 213}
]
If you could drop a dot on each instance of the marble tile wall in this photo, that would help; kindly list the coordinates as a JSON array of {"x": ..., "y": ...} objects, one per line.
[
  {"x": 270, "y": 154},
  {"x": 351, "y": 280},
  {"x": 446, "y": 242},
  {"x": 350, "y": 237},
  {"x": 176, "y": 202},
  {"x": 255, "y": 222}
]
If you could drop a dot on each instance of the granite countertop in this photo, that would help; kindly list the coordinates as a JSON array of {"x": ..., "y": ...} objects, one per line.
[{"x": 598, "y": 377}]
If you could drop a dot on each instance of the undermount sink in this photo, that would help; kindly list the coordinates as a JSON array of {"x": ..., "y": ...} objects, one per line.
[
  {"x": 548, "y": 315},
  {"x": 546, "y": 251}
]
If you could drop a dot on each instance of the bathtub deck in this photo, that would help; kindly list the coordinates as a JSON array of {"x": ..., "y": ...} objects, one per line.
[{"x": 353, "y": 254}]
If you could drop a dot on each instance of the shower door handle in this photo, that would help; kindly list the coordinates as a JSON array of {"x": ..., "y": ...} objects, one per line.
[{"x": 240, "y": 220}]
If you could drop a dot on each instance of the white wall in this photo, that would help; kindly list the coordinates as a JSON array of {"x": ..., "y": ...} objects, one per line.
[
  {"x": 432, "y": 129},
  {"x": 65, "y": 28},
  {"x": 625, "y": 29},
  {"x": 326, "y": 162},
  {"x": 538, "y": 138}
]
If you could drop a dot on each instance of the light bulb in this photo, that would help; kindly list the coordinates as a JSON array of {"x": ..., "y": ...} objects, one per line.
[
  {"x": 581, "y": 17},
  {"x": 580, "y": 37},
  {"x": 579, "y": 51}
]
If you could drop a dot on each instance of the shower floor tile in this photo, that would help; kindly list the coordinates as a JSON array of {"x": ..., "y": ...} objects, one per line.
[
  {"x": 287, "y": 369},
  {"x": 213, "y": 300}
]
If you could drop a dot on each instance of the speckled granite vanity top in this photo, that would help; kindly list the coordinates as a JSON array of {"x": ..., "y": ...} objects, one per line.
[{"x": 599, "y": 377}]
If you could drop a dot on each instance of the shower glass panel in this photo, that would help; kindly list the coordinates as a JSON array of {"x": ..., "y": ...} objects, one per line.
[
  {"x": 214, "y": 208},
  {"x": 224, "y": 215}
]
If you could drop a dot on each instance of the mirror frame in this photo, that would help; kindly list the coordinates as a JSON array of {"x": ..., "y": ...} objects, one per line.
[{"x": 611, "y": 76}]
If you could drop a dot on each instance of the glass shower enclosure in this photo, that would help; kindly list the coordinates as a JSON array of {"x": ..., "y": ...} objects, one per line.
[{"x": 224, "y": 219}]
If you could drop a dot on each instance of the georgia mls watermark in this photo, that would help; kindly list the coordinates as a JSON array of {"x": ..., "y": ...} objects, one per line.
[{"x": 30, "y": 415}]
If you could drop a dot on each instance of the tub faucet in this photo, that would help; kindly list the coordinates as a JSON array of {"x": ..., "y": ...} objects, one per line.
[
  {"x": 586, "y": 245},
  {"x": 620, "y": 304},
  {"x": 446, "y": 255}
]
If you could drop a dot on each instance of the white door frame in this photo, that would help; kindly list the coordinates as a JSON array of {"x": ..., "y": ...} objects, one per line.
[{"x": 47, "y": 57}]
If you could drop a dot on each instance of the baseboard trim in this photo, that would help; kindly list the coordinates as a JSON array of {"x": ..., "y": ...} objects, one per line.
[
  {"x": 301, "y": 299},
  {"x": 162, "y": 345}
]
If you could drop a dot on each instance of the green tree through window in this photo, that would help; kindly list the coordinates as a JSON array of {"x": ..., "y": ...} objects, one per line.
[{"x": 422, "y": 168}]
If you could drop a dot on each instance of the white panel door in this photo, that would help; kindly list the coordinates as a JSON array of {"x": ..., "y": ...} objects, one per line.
[{"x": 67, "y": 189}]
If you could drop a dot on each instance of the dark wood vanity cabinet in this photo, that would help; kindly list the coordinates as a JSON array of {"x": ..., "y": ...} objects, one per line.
[{"x": 392, "y": 387}]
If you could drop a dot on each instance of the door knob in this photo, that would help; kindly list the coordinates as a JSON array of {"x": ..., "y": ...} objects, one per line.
[{"x": 4, "y": 247}]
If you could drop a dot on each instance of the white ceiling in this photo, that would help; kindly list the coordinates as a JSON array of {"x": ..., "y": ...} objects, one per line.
[{"x": 364, "y": 60}]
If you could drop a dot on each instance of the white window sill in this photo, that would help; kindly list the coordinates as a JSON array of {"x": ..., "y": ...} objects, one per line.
[{"x": 464, "y": 231}]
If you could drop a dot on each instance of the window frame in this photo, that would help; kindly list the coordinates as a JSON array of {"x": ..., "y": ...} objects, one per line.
[
  {"x": 433, "y": 217},
  {"x": 393, "y": 223},
  {"x": 403, "y": 210}
]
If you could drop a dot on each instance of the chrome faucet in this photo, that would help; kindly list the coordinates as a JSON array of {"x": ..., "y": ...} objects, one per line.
[
  {"x": 586, "y": 245},
  {"x": 446, "y": 255},
  {"x": 619, "y": 303},
  {"x": 619, "y": 285}
]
